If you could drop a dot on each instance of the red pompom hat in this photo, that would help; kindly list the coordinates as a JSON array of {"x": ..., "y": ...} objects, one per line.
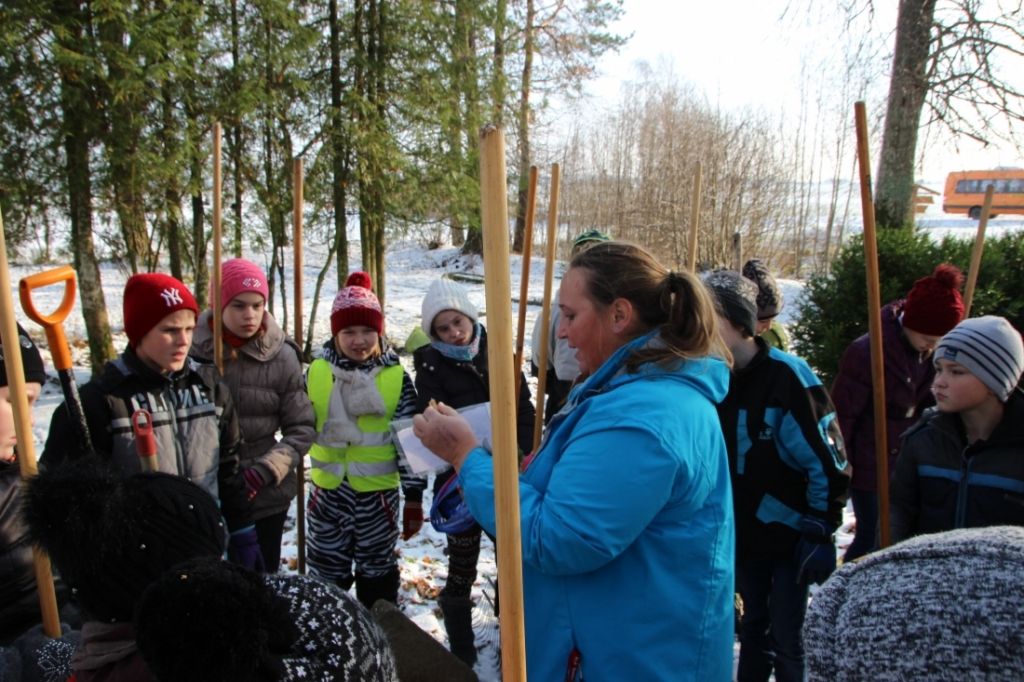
[
  {"x": 356, "y": 304},
  {"x": 150, "y": 297},
  {"x": 934, "y": 305}
]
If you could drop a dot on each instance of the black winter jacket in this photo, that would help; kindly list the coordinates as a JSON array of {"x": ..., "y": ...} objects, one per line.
[
  {"x": 941, "y": 483},
  {"x": 194, "y": 423},
  {"x": 460, "y": 384}
]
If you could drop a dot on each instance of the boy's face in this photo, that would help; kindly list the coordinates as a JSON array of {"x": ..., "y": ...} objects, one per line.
[
  {"x": 358, "y": 343},
  {"x": 244, "y": 314},
  {"x": 165, "y": 346},
  {"x": 453, "y": 328},
  {"x": 922, "y": 343},
  {"x": 8, "y": 437},
  {"x": 956, "y": 389}
]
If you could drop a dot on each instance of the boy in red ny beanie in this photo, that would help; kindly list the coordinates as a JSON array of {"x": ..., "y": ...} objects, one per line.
[
  {"x": 911, "y": 328},
  {"x": 195, "y": 424},
  {"x": 262, "y": 368},
  {"x": 358, "y": 387}
]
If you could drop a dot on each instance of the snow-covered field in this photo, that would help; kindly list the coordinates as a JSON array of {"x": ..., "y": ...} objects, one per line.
[{"x": 411, "y": 268}]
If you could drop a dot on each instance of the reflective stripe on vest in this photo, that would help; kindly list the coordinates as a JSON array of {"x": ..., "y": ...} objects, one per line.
[{"x": 373, "y": 463}]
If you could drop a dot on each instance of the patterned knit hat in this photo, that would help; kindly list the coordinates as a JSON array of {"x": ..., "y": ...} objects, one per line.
[
  {"x": 235, "y": 624},
  {"x": 933, "y": 305},
  {"x": 110, "y": 537},
  {"x": 356, "y": 304},
  {"x": 769, "y": 296},
  {"x": 239, "y": 276},
  {"x": 445, "y": 294},
  {"x": 31, "y": 360},
  {"x": 990, "y": 349},
  {"x": 945, "y": 606},
  {"x": 150, "y": 297},
  {"x": 735, "y": 297}
]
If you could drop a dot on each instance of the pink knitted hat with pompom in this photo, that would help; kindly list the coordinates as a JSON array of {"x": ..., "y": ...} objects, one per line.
[{"x": 356, "y": 304}]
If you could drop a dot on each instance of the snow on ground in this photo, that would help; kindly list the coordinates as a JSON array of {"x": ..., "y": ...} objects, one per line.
[{"x": 411, "y": 268}]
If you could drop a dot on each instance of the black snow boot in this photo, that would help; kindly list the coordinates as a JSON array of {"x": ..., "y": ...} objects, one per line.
[
  {"x": 458, "y": 621},
  {"x": 369, "y": 590}
]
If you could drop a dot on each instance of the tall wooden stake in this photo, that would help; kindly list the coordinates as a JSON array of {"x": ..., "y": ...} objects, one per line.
[
  {"x": 26, "y": 448},
  {"x": 218, "y": 344},
  {"x": 979, "y": 245},
  {"x": 494, "y": 212},
  {"x": 545, "y": 313},
  {"x": 698, "y": 178},
  {"x": 297, "y": 182},
  {"x": 524, "y": 284},
  {"x": 300, "y": 474},
  {"x": 874, "y": 322}
]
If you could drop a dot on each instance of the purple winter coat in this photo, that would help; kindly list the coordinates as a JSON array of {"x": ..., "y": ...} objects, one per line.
[{"x": 908, "y": 381}]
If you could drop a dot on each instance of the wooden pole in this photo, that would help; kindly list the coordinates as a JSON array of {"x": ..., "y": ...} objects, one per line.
[
  {"x": 297, "y": 181},
  {"x": 26, "y": 449},
  {"x": 979, "y": 245},
  {"x": 494, "y": 213},
  {"x": 545, "y": 313},
  {"x": 218, "y": 345},
  {"x": 874, "y": 323},
  {"x": 698, "y": 178},
  {"x": 300, "y": 472},
  {"x": 524, "y": 284}
]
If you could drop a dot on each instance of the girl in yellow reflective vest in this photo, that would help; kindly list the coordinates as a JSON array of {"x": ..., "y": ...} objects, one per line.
[{"x": 357, "y": 388}]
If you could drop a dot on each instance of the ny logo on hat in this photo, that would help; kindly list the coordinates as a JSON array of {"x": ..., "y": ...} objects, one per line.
[{"x": 171, "y": 296}]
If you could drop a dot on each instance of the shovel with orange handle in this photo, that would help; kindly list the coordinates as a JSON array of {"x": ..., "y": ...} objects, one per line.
[{"x": 53, "y": 325}]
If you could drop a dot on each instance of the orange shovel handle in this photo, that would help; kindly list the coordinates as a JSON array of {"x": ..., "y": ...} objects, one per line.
[{"x": 53, "y": 324}]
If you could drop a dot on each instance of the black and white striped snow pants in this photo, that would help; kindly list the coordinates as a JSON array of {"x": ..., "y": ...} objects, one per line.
[{"x": 345, "y": 526}]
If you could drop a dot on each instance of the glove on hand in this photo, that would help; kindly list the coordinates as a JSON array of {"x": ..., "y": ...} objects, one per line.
[
  {"x": 254, "y": 482},
  {"x": 244, "y": 549},
  {"x": 815, "y": 552},
  {"x": 412, "y": 519}
]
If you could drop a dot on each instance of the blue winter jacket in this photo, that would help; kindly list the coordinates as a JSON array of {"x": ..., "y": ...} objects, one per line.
[{"x": 627, "y": 527}]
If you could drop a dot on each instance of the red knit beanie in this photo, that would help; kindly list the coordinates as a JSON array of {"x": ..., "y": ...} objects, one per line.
[
  {"x": 934, "y": 305},
  {"x": 239, "y": 276},
  {"x": 356, "y": 304},
  {"x": 149, "y": 298}
]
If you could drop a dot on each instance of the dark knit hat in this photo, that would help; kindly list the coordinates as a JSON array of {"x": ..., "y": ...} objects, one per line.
[
  {"x": 212, "y": 620},
  {"x": 31, "y": 360},
  {"x": 587, "y": 239},
  {"x": 111, "y": 536},
  {"x": 989, "y": 348},
  {"x": 356, "y": 304},
  {"x": 934, "y": 305},
  {"x": 735, "y": 297},
  {"x": 935, "y": 607},
  {"x": 150, "y": 297},
  {"x": 769, "y": 296},
  {"x": 444, "y": 294}
]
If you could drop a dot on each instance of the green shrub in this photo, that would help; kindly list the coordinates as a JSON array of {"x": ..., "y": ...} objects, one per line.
[{"x": 833, "y": 309}]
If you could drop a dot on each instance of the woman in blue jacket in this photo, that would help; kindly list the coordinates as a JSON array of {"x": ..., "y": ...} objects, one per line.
[{"x": 626, "y": 510}]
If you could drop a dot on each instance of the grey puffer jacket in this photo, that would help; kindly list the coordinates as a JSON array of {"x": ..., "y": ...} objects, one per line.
[{"x": 266, "y": 381}]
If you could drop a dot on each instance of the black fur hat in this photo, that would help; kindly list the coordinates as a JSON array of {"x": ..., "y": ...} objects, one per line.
[
  {"x": 209, "y": 620},
  {"x": 31, "y": 360},
  {"x": 110, "y": 536}
]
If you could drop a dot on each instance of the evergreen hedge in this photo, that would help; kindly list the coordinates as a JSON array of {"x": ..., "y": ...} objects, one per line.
[{"x": 833, "y": 309}]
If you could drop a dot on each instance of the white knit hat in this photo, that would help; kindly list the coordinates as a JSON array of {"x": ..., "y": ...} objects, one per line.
[
  {"x": 989, "y": 348},
  {"x": 444, "y": 294}
]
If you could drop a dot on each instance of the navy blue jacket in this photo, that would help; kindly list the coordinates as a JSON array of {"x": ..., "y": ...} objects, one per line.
[
  {"x": 786, "y": 454},
  {"x": 941, "y": 483}
]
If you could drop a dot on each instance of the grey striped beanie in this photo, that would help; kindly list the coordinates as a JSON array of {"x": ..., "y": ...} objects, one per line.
[{"x": 989, "y": 348}]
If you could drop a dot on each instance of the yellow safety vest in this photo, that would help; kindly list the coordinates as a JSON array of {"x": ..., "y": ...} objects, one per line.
[{"x": 371, "y": 464}]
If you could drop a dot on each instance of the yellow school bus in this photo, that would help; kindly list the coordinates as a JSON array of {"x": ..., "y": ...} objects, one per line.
[{"x": 965, "y": 191}]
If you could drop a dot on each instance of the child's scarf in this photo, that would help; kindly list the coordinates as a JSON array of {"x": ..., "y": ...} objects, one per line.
[{"x": 460, "y": 353}]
